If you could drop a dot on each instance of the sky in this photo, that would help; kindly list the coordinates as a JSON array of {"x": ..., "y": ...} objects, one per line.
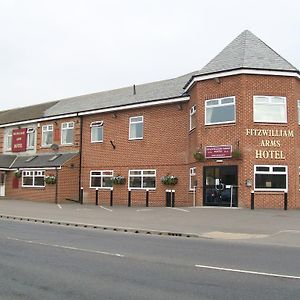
[{"x": 55, "y": 49}]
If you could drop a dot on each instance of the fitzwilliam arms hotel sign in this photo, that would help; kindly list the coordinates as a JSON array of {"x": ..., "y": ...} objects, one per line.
[{"x": 271, "y": 141}]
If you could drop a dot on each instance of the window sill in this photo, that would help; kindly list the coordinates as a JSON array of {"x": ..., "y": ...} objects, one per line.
[
  {"x": 270, "y": 124},
  {"x": 192, "y": 130},
  {"x": 220, "y": 125}
]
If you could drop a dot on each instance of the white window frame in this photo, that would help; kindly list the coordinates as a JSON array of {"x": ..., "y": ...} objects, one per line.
[
  {"x": 270, "y": 98},
  {"x": 30, "y": 131},
  {"x": 298, "y": 101},
  {"x": 193, "y": 111},
  {"x": 272, "y": 173},
  {"x": 142, "y": 179},
  {"x": 69, "y": 126},
  {"x": 27, "y": 173},
  {"x": 46, "y": 128},
  {"x": 135, "y": 122},
  {"x": 191, "y": 175},
  {"x": 8, "y": 135},
  {"x": 220, "y": 105},
  {"x": 97, "y": 124},
  {"x": 101, "y": 176}
]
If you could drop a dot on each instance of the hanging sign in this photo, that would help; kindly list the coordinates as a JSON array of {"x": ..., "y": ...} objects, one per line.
[
  {"x": 19, "y": 140},
  {"x": 218, "y": 151}
]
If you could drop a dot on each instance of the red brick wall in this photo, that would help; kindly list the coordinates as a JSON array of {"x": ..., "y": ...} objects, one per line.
[{"x": 244, "y": 87}]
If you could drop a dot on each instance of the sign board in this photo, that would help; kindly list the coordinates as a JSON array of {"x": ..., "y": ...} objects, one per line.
[
  {"x": 218, "y": 151},
  {"x": 19, "y": 140}
]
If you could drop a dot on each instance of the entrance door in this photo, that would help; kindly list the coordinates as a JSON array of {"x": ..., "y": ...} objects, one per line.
[
  {"x": 2, "y": 184},
  {"x": 220, "y": 186}
]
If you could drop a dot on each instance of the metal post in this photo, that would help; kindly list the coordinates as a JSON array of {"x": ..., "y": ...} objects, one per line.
[
  {"x": 231, "y": 195},
  {"x": 81, "y": 195},
  {"x": 194, "y": 196},
  {"x": 285, "y": 201},
  {"x": 147, "y": 198},
  {"x": 129, "y": 198},
  {"x": 97, "y": 196},
  {"x": 111, "y": 197},
  {"x": 252, "y": 199},
  {"x": 173, "y": 198}
]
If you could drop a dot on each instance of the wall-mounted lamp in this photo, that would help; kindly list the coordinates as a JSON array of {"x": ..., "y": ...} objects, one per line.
[
  {"x": 217, "y": 80},
  {"x": 113, "y": 145},
  {"x": 179, "y": 106},
  {"x": 114, "y": 115}
]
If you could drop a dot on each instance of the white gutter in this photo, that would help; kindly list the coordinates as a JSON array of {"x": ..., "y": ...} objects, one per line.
[
  {"x": 131, "y": 106},
  {"x": 39, "y": 120},
  {"x": 239, "y": 72}
]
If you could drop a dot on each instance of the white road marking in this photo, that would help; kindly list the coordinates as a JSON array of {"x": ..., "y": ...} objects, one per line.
[
  {"x": 66, "y": 247},
  {"x": 144, "y": 209},
  {"x": 180, "y": 209},
  {"x": 106, "y": 208},
  {"x": 59, "y": 206},
  {"x": 247, "y": 272}
]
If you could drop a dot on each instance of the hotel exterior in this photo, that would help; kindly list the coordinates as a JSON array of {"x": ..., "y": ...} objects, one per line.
[{"x": 209, "y": 138}]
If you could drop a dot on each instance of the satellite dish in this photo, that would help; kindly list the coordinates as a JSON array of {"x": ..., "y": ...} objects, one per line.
[{"x": 54, "y": 147}]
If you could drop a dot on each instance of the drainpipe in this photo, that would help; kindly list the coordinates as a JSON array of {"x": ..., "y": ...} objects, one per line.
[
  {"x": 56, "y": 186},
  {"x": 80, "y": 156}
]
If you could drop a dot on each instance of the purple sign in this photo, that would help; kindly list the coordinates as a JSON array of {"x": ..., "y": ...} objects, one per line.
[{"x": 218, "y": 151}]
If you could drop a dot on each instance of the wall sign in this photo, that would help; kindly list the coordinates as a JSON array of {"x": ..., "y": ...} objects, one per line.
[
  {"x": 218, "y": 151},
  {"x": 19, "y": 140}
]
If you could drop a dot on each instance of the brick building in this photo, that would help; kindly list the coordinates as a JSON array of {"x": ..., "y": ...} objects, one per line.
[{"x": 212, "y": 137}]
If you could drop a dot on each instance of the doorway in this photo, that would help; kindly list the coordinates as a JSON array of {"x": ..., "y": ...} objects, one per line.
[{"x": 220, "y": 186}]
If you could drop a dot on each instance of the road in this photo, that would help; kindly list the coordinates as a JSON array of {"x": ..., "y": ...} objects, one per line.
[{"x": 40, "y": 261}]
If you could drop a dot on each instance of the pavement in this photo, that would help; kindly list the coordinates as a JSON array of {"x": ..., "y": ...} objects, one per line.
[{"x": 204, "y": 222}]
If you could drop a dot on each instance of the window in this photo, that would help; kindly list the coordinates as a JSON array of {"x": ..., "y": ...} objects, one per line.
[
  {"x": 193, "y": 179},
  {"x": 193, "y": 119},
  {"x": 220, "y": 111},
  {"x": 47, "y": 135},
  {"x": 96, "y": 131},
  {"x": 33, "y": 178},
  {"x": 269, "y": 109},
  {"x": 270, "y": 178},
  {"x": 136, "y": 128},
  {"x": 142, "y": 179},
  {"x": 101, "y": 179},
  {"x": 8, "y": 140},
  {"x": 67, "y": 133},
  {"x": 30, "y": 138},
  {"x": 299, "y": 112}
]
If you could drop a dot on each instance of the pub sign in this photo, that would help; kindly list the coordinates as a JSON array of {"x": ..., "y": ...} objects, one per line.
[
  {"x": 19, "y": 140},
  {"x": 223, "y": 151}
]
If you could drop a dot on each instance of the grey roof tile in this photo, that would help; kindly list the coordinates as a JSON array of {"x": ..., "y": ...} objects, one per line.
[
  {"x": 6, "y": 160},
  {"x": 43, "y": 160}
]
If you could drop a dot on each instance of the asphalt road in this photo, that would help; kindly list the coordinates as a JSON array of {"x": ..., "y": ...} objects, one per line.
[{"x": 50, "y": 262}]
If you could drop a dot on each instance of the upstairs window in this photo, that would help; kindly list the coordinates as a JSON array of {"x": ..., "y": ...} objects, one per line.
[
  {"x": 269, "y": 109},
  {"x": 136, "y": 128},
  {"x": 30, "y": 138},
  {"x": 220, "y": 111},
  {"x": 67, "y": 133},
  {"x": 33, "y": 178},
  {"x": 47, "y": 135},
  {"x": 8, "y": 140},
  {"x": 193, "y": 119},
  {"x": 96, "y": 131}
]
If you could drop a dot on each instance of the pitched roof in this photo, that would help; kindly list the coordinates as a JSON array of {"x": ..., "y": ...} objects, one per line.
[
  {"x": 247, "y": 51},
  {"x": 6, "y": 160}
]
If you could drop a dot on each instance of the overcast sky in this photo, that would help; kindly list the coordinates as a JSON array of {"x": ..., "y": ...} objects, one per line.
[{"x": 54, "y": 49}]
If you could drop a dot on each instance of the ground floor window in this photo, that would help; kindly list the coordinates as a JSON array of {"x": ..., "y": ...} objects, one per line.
[
  {"x": 33, "y": 178},
  {"x": 101, "y": 179},
  {"x": 270, "y": 178},
  {"x": 142, "y": 179},
  {"x": 193, "y": 179}
]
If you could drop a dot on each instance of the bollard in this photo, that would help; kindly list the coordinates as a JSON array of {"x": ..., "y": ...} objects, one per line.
[
  {"x": 147, "y": 198},
  {"x": 111, "y": 197},
  {"x": 81, "y": 196},
  {"x": 285, "y": 201},
  {"x": 129, "y": 198},
  {"x": 97, "y": 196},
  {"x": 252, "y": 200}
]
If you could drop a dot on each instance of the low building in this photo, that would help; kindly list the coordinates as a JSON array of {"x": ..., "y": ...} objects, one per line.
[{"x": 211, "y": 137}]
